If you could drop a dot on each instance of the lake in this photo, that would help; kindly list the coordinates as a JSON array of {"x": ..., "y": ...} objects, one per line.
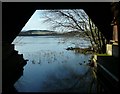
[{"x": 51, "y": 68}]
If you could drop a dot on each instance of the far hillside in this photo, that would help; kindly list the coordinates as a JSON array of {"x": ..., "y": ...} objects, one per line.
[
  {"x": 54, "y": 33},
  {"x": 36, "y": 32}
]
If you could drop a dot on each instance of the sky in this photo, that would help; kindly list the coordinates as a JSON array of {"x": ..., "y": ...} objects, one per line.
[{"x": 35, "y": 22}]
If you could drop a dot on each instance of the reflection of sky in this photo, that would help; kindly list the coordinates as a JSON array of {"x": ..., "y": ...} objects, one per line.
[
  {"x": 50, "y": 66},
  {"x": 35, "y": 22}
]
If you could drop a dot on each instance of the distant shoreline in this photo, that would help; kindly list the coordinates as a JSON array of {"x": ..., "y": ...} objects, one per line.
[
  {"x": 40, "y": 35},
  {"x": 52, "y": 33}
]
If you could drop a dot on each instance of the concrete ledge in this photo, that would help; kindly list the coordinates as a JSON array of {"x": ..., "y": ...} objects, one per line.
[{"x": 109, "y": 49}]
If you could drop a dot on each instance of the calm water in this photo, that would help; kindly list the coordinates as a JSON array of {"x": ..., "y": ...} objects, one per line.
[{"x": 51, "y": 67}]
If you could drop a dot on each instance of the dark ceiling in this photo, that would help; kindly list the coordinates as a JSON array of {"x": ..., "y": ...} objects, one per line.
[{"x": 15, "y": 15}]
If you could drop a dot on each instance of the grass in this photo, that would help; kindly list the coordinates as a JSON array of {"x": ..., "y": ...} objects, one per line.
[
  {"x": 105, "y": 54},
  {"x": 81, "y": 50}
]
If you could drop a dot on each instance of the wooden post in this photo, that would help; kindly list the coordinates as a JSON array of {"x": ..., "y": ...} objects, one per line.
[
  {"x": 115, "y": 32},
  {"x": 115, "y": 22}
]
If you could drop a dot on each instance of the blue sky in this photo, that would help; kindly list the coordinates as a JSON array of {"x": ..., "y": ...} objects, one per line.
[{"x": 36, "y": 22}]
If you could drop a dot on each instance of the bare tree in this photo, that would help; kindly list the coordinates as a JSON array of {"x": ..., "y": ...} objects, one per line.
[{"x": 76, "y": 19}]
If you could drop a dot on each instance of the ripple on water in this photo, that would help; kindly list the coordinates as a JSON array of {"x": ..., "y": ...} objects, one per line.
[{"x": 51, "y": 67}]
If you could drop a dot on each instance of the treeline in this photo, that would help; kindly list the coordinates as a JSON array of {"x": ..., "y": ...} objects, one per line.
[{"x": 52, "y": 33}]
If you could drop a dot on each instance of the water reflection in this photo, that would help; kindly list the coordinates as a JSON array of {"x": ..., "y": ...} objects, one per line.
[{"x": 51, "y": 67}]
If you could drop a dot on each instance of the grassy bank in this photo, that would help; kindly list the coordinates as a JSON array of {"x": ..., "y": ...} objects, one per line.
[{"x": 81, "y": 50}]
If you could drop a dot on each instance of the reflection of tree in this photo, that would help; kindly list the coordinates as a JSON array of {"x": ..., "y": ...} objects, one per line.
[
  {"x": 76, "y": 19},
  {"x": 68, "y": 81}
]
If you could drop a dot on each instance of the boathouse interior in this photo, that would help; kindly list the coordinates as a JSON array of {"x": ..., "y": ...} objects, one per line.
[{"x": 16, "y": 15}]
